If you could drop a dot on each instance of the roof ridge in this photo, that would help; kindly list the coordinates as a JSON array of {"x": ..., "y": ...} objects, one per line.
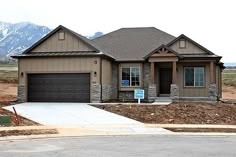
[
  {"x": 165, "y": 32},
  {"x": 148, "y": 27},
  {"x": 135, "y": 27},
  {"x": 106, "y": 34}
]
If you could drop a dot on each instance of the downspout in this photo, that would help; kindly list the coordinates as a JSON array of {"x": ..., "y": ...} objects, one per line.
[{"x": 101, "y": 77}]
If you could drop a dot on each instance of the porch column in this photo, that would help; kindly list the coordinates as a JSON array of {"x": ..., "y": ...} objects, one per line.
[
  {"x": 152, "y": 72},
  {"x": 212, "y": 79},
  {"x": 174, "y": 73},
  {"x": 212, "y": 91},
  {"x": 152, "y": 93},
  {"x": 174, "y": 88}
]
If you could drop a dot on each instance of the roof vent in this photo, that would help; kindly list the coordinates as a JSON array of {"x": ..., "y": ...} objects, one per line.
[{"x": 61, "y": 36}]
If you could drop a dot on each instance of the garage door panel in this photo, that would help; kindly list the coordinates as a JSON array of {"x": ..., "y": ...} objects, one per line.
[{"x": 59, "y": 87}]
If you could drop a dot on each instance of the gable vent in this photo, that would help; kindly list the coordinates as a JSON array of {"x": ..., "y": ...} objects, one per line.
[
  {"x": 182, "y": 43},
  {"x": 61, "y": 36}
]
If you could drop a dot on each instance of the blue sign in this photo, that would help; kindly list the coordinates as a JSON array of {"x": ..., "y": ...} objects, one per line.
[
  {"x": 138, "y": 94},
  {"x": 125, "y": 82}
]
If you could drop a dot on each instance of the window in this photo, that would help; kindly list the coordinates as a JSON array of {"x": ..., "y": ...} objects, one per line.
[
  {"x": 182, "y": 43},
  {"x": 194, "y": 76},
  {"x": 61, "y": 36},
  {"x": 130, "y": 76}
]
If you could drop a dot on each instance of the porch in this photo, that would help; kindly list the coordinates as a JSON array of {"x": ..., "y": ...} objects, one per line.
[{"x": 167, "y": 77}]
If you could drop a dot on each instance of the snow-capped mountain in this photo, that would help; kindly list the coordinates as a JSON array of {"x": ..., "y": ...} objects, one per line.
[{"x": 15, "y": 38}]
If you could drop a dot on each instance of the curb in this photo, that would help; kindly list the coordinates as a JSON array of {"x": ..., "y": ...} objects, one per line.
[
  {"x": 196, "y": 126},
  {"x": 56, "y": 136}
]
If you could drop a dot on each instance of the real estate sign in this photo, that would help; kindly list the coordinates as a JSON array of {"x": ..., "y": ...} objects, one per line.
[{"x": 139, "y": 94}]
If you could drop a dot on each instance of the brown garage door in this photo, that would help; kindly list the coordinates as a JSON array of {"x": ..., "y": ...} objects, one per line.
[{"x": 59, "y": 87}]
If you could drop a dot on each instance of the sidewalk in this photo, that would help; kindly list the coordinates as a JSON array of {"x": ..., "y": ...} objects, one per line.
[{"x": 108, "y": 130}]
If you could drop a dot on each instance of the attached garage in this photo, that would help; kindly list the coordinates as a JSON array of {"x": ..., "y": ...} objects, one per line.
[
  {"x": 59, "y": 87},
  {"x": 64, "y": 67}
]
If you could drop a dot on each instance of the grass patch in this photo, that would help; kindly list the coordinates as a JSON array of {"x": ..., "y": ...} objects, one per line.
[{"x": 229, "y": 77}]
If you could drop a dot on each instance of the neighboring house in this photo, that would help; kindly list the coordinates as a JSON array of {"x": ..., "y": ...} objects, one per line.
[{"x": 67, "y": 67}]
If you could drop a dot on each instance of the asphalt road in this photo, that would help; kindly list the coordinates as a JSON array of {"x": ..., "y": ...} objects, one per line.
[{"x": 123, "y": 146}]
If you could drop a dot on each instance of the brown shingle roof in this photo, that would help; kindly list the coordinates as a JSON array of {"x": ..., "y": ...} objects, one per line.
[{"x": 132, "y": 43}]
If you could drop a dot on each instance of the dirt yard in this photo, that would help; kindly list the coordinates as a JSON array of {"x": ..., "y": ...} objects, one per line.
[
  {"x": 229, "y": 93},
  {"x": 178, "y": 113},
  {"x": 27, "y": 132},
  {"x": 23, "y": 121},
  {"x": 8, "y": 92}
]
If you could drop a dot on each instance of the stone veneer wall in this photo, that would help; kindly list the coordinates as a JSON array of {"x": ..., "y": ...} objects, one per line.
[
  {"x": 174, "y": 91},
  {"x": 106, "y": 92},
  {"x": 212, "y": 92},
  {"x": 21, "y": 97},
  {"x": 126, "y": 95},
  {"x": 152, "y": 92},
  {"x": 96, "y": 93}
]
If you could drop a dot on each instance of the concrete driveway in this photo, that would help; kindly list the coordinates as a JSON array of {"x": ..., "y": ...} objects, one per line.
[{"x": 69, "y": 114}]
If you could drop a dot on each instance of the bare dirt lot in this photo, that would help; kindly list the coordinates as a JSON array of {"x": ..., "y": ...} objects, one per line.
[
  {"x": 27, "y": 132},
  {"x": 229, "y": 93},
  {"x": 8, "y": 92},
  {"x": 178, "y": 113}
]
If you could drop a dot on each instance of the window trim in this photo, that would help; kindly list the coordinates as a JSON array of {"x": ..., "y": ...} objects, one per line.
[
  {"x": 204, "y": 77},
  {"x": 130, "y": 78}
]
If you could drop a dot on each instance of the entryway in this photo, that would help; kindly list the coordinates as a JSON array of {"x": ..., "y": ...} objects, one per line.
[{"x": 165, "y": 80}]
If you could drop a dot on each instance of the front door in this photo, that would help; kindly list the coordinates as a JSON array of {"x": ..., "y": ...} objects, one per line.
[{"x": 165, "y": 80}]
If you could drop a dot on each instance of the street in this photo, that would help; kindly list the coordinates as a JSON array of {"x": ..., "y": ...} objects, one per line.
[{"x": 118, "y": 146}]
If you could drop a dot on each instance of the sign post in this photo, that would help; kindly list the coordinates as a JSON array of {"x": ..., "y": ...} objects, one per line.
[{"x": 139, "y": 94}]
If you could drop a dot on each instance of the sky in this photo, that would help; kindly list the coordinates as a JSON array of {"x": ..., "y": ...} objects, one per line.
[{"x": 211, "y": 23}]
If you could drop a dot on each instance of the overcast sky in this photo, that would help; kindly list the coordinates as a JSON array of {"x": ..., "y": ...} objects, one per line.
[{"x": 212, "y": 23}]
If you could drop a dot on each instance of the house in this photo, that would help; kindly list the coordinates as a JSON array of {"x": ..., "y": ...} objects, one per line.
[{"x": 65, "y": 66}]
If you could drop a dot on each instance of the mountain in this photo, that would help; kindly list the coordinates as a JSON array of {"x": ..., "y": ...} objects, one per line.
[
  {"x": 15, "y": 38},
  {"x": 96, "y": 35},
  {"x": 230, "y": 64}
]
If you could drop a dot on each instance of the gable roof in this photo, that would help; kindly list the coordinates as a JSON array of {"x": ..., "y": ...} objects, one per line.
[
  {"x": 191, "y": 41},
  {"x": 76, "y": 35},
  {"x": 125, "y": 44},
  {"x": 163, "y": 46},
  {"x": 132, "y": 44}
]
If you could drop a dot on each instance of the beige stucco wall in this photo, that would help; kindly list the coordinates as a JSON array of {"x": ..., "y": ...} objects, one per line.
[
  {"x": 192, "y": 91},
  {"x": 70, "y": 43},
  {"x": 106, "y": 72},
  {"x": 190, "y": 48},
  {"x": 59, "y": 64}
]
